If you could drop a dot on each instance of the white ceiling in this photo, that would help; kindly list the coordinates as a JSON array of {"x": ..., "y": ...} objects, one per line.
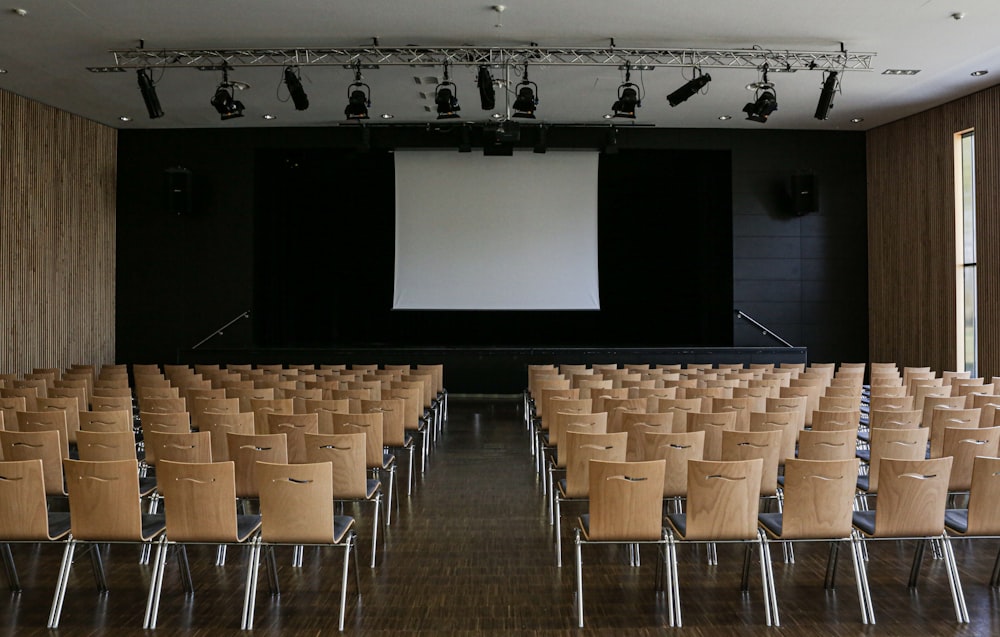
[{"x": 46, "y": 53}]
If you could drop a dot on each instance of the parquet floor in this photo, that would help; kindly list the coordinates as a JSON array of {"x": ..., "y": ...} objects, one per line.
[{"x": 471, "y": 553}]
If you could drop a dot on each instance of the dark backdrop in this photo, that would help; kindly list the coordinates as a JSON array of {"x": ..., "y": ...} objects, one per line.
[{"x": 181, "y": 276}]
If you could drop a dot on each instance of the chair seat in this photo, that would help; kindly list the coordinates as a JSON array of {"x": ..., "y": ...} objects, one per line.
[
  {"x": 341, "y": 525},
  {"x": 957, "y": 520},
  {"x": 865, "y": 455},
  {"x": 387, "y": 460},
  {"x": 865, "y": 520},
  {"x": 679, "y": 522},
  {"x": 152, "y": 525},
  {"x": 585, "y": 525},
  {"x": 59, "y": 524},
  {"x": 147, "y": 485},
  {"x": 863, "y": 483},
  {"x": 246, "y": 525},
  {"x": 771, "y": 522},
  {"x": 372, "y": 487}
]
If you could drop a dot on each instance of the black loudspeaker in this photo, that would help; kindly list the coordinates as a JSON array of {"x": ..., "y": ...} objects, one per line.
[
  {"x": 179, "y": 184},
  {"x": 805, "y": 194}
]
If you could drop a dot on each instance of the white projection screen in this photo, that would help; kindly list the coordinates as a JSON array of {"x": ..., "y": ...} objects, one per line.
[{"x": 476, "y": 232}]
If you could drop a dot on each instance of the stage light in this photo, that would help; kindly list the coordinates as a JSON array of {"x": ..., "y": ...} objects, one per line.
[
  {"x": 446, "y": 98},
  {"x": 358, "y": 97},
  {"x": 226, "y": 105},
  {"x": 765, "y": 102},
  {"x": 826, "y": 96},
  {"x": 689, "y": 89},
  {"x": 295, "y": 90},
  {"x": 527, "y": 97},
  {"x": 148, "y": 90},
  {"x": 629, "y": 97},
  {"x": 487, "y": 94}
]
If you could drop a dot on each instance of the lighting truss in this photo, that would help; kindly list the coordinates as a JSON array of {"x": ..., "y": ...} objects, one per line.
[{"x": 376, "y": 56}]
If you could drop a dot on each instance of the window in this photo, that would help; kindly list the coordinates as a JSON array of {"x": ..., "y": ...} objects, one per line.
[{"x": 965, "y": 199}]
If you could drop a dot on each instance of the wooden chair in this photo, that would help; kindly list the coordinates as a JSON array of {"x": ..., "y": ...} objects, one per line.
[
  {"x": 71, "y": 406},
  {"x": 964, "y": 445},
  {"x": 246, "y": 451},
  {"x": 982, "y": 517},
  {"x": 44, "y": 446},
  {"x": 219, "y": 425},
  {"x": 713, "y": 425},
  {"x": 954, "y": 418},
  {"x": 104, "y": 507},
  {"x": 179, "y": 422},
  {"x": 817, "y": 507},
  {"x": 394, "y": 441},
  {"x": 28, "y": 394},
  {"x": 112, "y": 420},
  {"x": 789, "y": 423},
  {"x": 262, "y": 407},
  {"x": 637, "y": 424},
  {"x": 675, "y": 449},
  {"x": 911, "y": 505},
  {"x": 840, "y": 419},
  {"x": 188, "y": 446},
  {"x": 747, "y": 445},
  {"x": 721, "y": 507},
  {"x": 625, "y": 508},
  {"x": 200, "y": 506},
  {"x": 903, "y": 444},
  {"x": 376, "y": 459},
  {"x": 827, "y": 445},
  {"x": 46, "y": 421},
  {"x": 24, "y": 516},
  {"x": 581, "y": 448},
  {"x": 564, "y": 422},
  {"x": 9, "y": 407},
  {"x": 350, "y": 475},
  {"x": 296, "y": 502},
  {"x": 202, "y": 408},
  {"x": 294, "y": 426}
]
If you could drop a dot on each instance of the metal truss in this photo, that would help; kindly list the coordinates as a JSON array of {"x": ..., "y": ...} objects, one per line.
[{"x": 376, "y": 56}]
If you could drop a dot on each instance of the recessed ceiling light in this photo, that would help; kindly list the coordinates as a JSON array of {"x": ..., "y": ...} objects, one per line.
[
  {"x": 857, "y": 120},
  {"x": 269, "y": 116},
  {"x": 979, "y": 73},
  {"x": 2, "y": 71},
  {"x": 125, "y": 118},
  {"x": 725, "y": 117},
  {"x": 496, "y": 115},
  {"x": 607, "y": 116},
  {"x": 387, "y": 115},
  {"x": 20, "y": 12},
  {"x": 900, "y": 71}
]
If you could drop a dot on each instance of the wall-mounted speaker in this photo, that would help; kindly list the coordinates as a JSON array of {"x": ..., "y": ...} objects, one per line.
[
  {"x": 179, "y": 184},
  {"x": 805, "y": 194}
]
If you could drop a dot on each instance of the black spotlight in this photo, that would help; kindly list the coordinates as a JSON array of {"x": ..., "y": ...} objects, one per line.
[
  {"x": 148, "y": 90},
  {"x": 527, "y": 97},
  {"x": 225, "y": 104},
  {"x": 826, "y": 96},
  {"x": 689, "y": 89},
  {"x": 295, "y": 90},
  {"x": 487, "y": 94},
  {"x": 629, "y": 97},
  {"x": 359, "y": 97},
  {"x": 446, "y": 98},
  {"x": 759, "y": 110}
]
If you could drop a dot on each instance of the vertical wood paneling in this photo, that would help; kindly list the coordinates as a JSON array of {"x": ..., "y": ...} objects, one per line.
[
  {"x": 57, "y": 237},
  {"x": 911, "y": 234}
]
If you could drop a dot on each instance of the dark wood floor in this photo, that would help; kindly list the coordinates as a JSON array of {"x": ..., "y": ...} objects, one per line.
[{"x": 471, "y": 553}]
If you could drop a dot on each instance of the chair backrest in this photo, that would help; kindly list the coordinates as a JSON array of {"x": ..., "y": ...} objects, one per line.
[
  {"x": 294, "y": 426},
  {"x": 199, "y": 500},
  {"x": 104, "y": 500},
  {"x": 894, "y": 419},
  {"x": 189, "y": 446},
  {"x": 890, "y": 403},
  {"x": 596, "y": 423},
  {"x": 932, "y": 402},
  {"x": 722, "y": 499},
  {"x": 911, "y": 497},
  {"x": 984, "y": 514},
  {"x": 261, "y": 407},
  {"x": 789, "y": 423},
  {"x": 903, "y": 444},
  {"x": 581, "y": 448},
  {"x": 162, "y": 405},
  {"x": 810, "y": 392},
  {"x": 96, "y": 446},
  {"x": 839, "y": 419},
  {"x": 176, "y": 423},
  {"x": 675, "y": 449},
  {"x": 28, "y": 394},
  {"x": 368, "y": 424},
  {"x": 219, "y": 425},
  {"x": 616, "y": 407},
  {"x": 964, "y": 445},
  {"x": 246, "y": 450},
  {"x": 636, "y": 424},
  {"x": 23, "y": 512},
  {"x": 347, "y": 453},
  {"x": 393, "y": 412},
  {"x": 9, "y": 406},
  {"x": 411, "y": 396},
  {"x": 827, "y": 445},
  {"x": 561, "y": 409},
  {"x": 740, "y": 405},
  {"x": 941, "y": 418},
  {"x": 111, "y": 420},
  {"x": 746, "y": 445},
  {"x": 818, "y": 498},
  {"x": 296, "y": 502},
  {"x": 838, "y": 403},
  {"x": 626, "y": 500},
  {"x": 247, "y": 394},
  {"x": 323, "y": 408},
  {"x": 70, "y": 405},
  {"x": 202, "y": 407},
  {"x": 46, "y": 421},
  {"x": 713, "y": 425},
  {"x": 37, "y": 445},
  {"x": 795, "y": 404}
]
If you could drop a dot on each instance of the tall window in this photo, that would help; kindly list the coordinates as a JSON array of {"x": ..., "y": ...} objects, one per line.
[{"x": 965, "y": 199}]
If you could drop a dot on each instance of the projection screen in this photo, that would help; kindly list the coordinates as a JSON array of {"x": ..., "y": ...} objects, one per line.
[{"x": 476, "y": 232}]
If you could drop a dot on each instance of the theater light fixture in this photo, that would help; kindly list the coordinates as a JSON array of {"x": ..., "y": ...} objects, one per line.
[
  {"x": 826, "y": 96},
  {"x": 629, "y": 96},
  {"x": 527, "y": 97},
  {"x": 765, "y": 101},
  {"x": 487, "y": 94},
  {"x": 224, "y": 101},
  {"x": 690, "y": 88},
  {"x": 295, "y": 90},
  {"x": 446, "y": 98},
  {"x": 359, "y": 98},
  {"x": 148, "y": 90}
]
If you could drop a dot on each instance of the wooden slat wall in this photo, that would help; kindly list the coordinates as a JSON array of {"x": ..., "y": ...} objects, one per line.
[
  {"x": 57, "y": 237},
  {"x": 911, "y": 234}
]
